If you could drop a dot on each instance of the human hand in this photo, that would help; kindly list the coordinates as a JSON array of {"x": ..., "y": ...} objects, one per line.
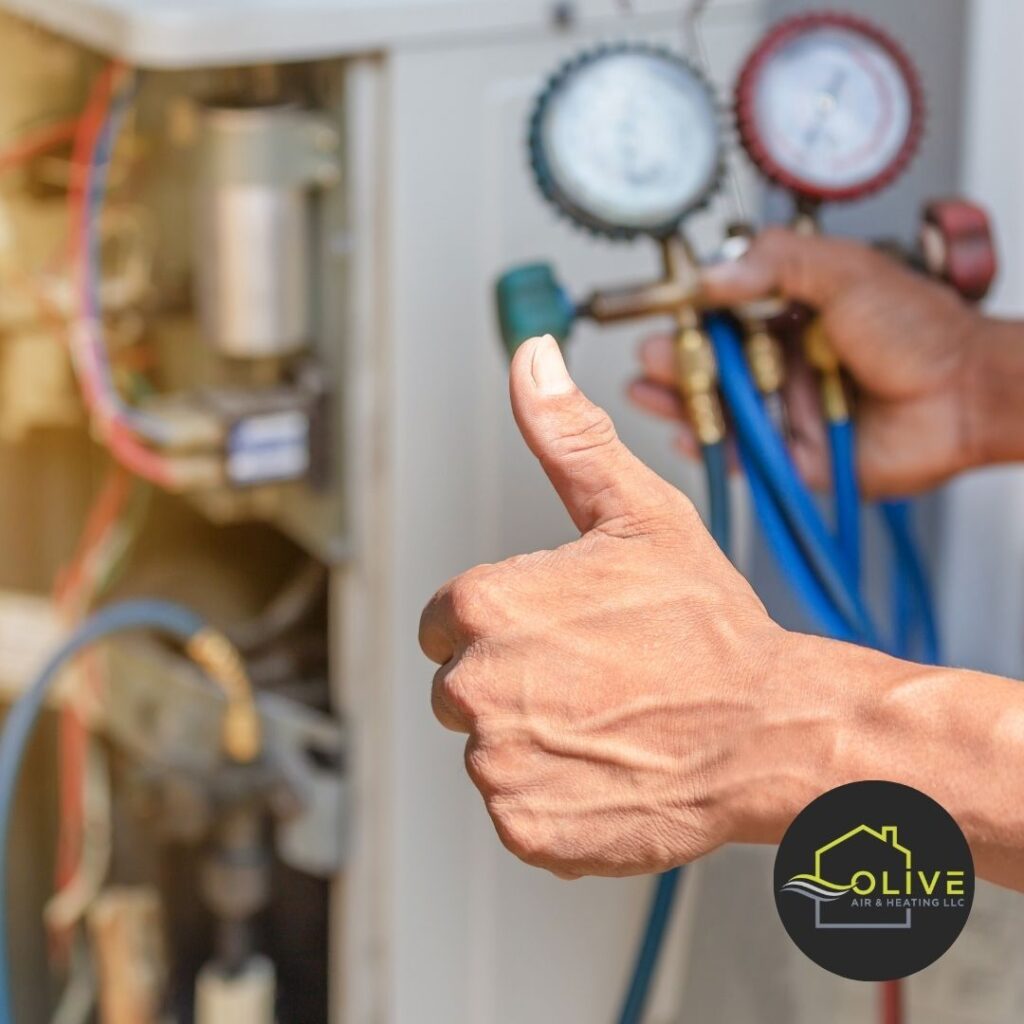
[
  {"x": 905, "y": 341},
  {"x": 611, "y": 689}
]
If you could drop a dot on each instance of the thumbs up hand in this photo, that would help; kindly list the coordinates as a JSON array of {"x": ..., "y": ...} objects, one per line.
[{"x": 612, "y": 690}]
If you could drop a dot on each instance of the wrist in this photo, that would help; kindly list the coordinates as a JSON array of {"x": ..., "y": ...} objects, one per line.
[
  {"x": 818, "y": 727},
  {"x": 993, "y": 395}
]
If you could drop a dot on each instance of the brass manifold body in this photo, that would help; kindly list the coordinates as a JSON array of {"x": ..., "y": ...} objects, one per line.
[{"x": 677, "y": 294}]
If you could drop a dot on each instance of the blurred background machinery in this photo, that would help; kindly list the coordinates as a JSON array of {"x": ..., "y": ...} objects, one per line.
[{"x": 245, "y": 262}]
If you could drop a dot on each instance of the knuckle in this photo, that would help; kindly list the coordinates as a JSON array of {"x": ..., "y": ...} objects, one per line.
[
  {"x": 469, "y": 600},
  {"x": 457, "y": 691},
  {"x": 479, "y": 768},
  {"x": 444, "y": 709},
  {"x": 518, "y": 834}
]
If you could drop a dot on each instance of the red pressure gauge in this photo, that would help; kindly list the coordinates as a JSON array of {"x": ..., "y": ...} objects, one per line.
[{"x": 829, "y": 107}]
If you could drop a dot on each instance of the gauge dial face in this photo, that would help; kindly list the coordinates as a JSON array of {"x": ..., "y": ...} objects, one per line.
[
  {"x": 830, "y": 107},
  {"x": 627, "y": 141}
]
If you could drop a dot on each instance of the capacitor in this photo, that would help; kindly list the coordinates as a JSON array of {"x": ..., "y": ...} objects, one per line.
[{"x": 259, "y": 169}]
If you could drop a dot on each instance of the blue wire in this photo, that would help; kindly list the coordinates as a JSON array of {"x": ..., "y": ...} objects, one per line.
[
  {"x": 766, "y": 450},
  {"x": 847, "y": 494},
  {"x": 95, "y": 193},
  {"x": 161, "y": 616}
]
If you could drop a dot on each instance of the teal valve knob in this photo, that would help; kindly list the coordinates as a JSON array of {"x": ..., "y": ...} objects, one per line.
[{"x": 531, "y": 303}]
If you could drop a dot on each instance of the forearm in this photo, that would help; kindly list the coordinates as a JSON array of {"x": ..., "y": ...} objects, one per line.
[
  {"x": 994, "y": 399},
  {"x": 957, "y": 736}
]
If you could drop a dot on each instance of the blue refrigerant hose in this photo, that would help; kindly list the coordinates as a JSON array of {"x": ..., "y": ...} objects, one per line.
[
  {"x": 790, "y": 559},
  {"x": 716, "y": 465},
  {"x": 172, "y": 620},
  {"x": 912, "y": 591},
  {"x": 842, "y": 448},
  {"x": 767, "y": 452}
]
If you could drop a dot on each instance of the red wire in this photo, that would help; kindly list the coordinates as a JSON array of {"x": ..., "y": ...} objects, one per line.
[
  {"x": 72, "y": 585},
  {"x": 36, "y": 143},
  {"x": 118, "y": 436},
  {"x": 891, "y": 999},
  {"x": 104, "y": 513}
]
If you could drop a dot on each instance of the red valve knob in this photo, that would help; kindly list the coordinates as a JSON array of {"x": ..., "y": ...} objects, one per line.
[{"x": 958, "y": 246}]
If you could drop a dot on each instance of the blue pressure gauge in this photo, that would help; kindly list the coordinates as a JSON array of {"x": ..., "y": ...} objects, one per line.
[{"x": 626, "y": 140}]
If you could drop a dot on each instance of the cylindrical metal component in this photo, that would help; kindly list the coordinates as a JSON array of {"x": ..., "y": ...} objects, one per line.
[
  {"x": 246, "y": 995},
  {"x": 258, "y": 167}
]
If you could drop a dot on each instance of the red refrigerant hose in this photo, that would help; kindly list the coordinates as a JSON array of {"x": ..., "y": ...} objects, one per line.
[{"x": 891, "y": 998}]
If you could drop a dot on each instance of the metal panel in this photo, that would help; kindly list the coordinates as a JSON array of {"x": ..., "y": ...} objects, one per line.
[
  {"x": 198, "y": 33},
  {"x": 477, "y": 937}
]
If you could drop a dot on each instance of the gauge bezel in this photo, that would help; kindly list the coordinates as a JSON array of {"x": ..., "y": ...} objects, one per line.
[
  {"x": 750, "y": 131},
  {"x": 550, "y": 188}
]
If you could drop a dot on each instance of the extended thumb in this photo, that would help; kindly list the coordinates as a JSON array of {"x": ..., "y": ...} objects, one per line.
[{"x": 601, "y": 483}]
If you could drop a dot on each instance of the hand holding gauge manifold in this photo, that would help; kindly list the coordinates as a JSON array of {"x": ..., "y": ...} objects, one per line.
[{"x": 904, "y": 340}]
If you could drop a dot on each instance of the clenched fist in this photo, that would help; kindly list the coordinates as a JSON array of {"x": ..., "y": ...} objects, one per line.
[{"x": 613, "y": 688}]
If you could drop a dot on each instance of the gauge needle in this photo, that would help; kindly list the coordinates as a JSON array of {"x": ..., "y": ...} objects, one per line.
[{"x": 827, "y": 102}]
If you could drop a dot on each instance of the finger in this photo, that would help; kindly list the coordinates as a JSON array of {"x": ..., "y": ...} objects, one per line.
[
  {"x": 601, "y": 483},
  {"x": 437, "y": 628},
  {"x": 808, "y": 269},
  {"x": 442, "y": 705},
  {"x": 687, "y": 445},
  {"x": 658, "y": 359},
  {"x": 808, "y": 438},
  {"x": 657, "y": 399}
]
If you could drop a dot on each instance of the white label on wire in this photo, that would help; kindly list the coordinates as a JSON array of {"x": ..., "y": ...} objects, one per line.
[{"x": 270, "y": 447}]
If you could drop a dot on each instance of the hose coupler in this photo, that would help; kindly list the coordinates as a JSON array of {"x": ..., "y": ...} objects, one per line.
[
  {"x": 766, "y": 360},
  {"x": 698, "y": 384}
]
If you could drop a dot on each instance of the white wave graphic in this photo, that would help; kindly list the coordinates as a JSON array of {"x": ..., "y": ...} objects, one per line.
[{"x": 818, "y": 893}]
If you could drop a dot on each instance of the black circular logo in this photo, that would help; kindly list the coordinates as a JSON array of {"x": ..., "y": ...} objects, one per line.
[{"x": 874, "y": 881}]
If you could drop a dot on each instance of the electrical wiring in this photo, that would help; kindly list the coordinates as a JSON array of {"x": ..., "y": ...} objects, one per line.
[
  {"x": 129, "y": 434},
  {"x": 68, "y": 906},
  {"x": 100, "y": 126},
  {"x": 79, "y": 996},
  {"x": 285, "y": 611},
  {"x": 37, "y": 142},
  {"x": 111, "y": 527}
]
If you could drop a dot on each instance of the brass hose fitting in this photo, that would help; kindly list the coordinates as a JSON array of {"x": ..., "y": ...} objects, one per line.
[
  {"x": 698, "y": 383},
  {"x": 766, "y": 360},
  {"x": 821, "y": 356},
  {"x": 241, "y": 728}
]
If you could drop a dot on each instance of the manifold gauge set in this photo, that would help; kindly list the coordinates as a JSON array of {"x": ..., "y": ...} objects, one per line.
[{"x": 629, "y": 140}]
